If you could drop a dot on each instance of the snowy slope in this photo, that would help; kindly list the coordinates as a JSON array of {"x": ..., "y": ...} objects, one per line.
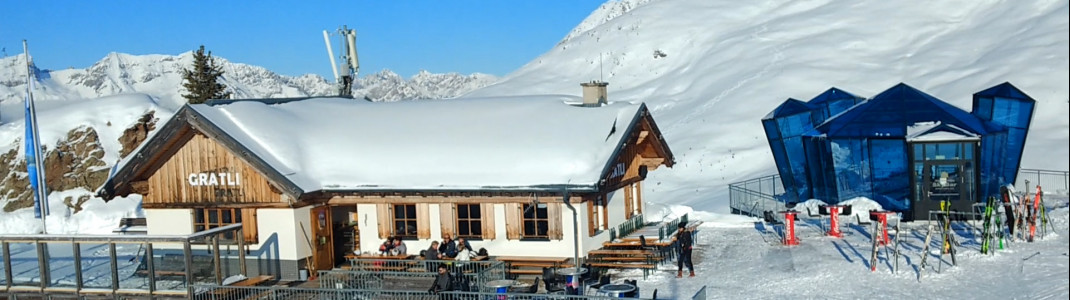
[
  {"x": 725, "y": 64},
  {"x": 161, "y": 76}
]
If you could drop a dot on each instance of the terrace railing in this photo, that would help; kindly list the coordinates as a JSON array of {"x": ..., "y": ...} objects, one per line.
[
  {"x": 151, "y": 265},
  {"x": 217, "y": 292},
  {"x": 1051, "y": 182},
  {"x": 754, "y": 196},
  {"x": 382, "y": 272},
  {"x": 626, "y": 228}
]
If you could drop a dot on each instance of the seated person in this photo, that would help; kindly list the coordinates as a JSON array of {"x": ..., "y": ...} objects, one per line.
[{"x": 448, "y": 248}]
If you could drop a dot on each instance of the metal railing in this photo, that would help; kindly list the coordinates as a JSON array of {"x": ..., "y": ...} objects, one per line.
[
  {"x": 1050, "y": 181},
  {"x": 626, "y": 228},
  {"x": 217, "y": 292},
  {"x": 477, "y": 272},
  {"x": 754, "y": 196},
  {"x": 151, "y": 265}
]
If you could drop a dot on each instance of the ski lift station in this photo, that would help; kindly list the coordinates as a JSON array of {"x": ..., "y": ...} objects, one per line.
[{"x": 903, "y": 148}]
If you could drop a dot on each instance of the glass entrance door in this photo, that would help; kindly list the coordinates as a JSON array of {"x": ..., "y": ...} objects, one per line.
[{"x": 943, "y": 172}]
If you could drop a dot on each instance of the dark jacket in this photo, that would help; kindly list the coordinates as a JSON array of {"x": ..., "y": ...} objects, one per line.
[
  {"x": 431, "y": 254},
  {"x": 684, "y": 238},
  {"x": 448, "y": 248},
  {"x": 443, "y": 282}
]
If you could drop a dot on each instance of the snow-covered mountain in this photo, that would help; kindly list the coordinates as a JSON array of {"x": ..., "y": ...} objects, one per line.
[
  {"x": 710, "y": 70},
  {"x": 161, "y": 76}
]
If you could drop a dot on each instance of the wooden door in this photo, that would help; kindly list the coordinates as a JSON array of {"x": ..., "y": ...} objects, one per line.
[{"x": 322, "y": 239}]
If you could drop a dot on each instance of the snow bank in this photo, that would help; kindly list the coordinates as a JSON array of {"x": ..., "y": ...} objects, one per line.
[{"x": 96, "y": 216}]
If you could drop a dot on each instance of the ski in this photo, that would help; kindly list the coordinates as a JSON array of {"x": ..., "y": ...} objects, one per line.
[
  {"x": 925, "y": 250},
  {"x": 1033, "y": 215},
  {"x": 986, "y": 234}
]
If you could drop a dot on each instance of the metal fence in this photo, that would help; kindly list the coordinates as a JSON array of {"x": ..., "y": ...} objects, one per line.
[
  {"x": 216, "y": 292},
  {"x": 754, "y": 196},
  {"x": 153, "y": 265},
  {"x": 395, "y": 273},
  {"x": 1051, "y": 182}
]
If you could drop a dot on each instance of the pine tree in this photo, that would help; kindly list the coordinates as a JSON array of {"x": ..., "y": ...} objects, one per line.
[{"x": 202, "y": 83}]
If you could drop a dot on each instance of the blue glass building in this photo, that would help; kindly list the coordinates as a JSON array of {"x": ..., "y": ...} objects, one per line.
[{"x": 903, "y": 148}]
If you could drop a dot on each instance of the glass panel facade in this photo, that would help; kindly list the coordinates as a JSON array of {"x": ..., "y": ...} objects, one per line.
[{"x": 839, "y": 146}]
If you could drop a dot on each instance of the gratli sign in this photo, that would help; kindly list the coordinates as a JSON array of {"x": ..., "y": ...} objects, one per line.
[{"x": 214, "y": 179}]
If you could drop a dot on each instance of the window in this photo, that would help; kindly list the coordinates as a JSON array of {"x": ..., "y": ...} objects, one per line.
[
  {"x": 469, "y": 221},
  {"x": 208, "y": 218},
  {"x": 536, "y": 221},
  {"x": 405, "y": 220}
]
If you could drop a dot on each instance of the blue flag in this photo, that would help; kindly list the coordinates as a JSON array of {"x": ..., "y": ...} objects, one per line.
[{"x": 40, "y": 202}]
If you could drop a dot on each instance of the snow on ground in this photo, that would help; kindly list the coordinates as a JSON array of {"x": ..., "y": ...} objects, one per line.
[
  {"x": 723, "y": 65},
  {"x": 748, "y": 263}
]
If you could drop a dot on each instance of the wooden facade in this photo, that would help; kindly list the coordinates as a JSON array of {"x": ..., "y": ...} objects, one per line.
[{"x": 203, "y": 172}]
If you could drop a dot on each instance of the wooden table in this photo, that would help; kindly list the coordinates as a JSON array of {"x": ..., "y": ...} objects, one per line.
[{"x": 547, "y": 259}]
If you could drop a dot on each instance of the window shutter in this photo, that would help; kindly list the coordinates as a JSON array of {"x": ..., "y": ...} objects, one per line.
[
  {"x": 423, "y": 221},
  {"x": 487, "y": 211},
  {"x": 513, "y": 222},
  {"x": 385, "y": 217},
  {"x": 448, "y": 219},
  {"x": 248, "y": 226},
  {"x": 553, "y": 212}
]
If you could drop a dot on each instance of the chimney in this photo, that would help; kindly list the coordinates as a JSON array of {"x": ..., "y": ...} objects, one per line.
[{"x": 594, "y": 93}]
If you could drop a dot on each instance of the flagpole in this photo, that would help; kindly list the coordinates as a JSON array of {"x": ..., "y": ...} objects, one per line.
[{"x": 34, "y": 143}]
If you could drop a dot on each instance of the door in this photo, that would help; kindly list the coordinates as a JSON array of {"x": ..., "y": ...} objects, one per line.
[
  {"x": 322, "y": 238},
  {"x": 944, "y": 181}
]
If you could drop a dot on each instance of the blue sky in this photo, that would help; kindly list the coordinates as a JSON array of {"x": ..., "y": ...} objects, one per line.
[{"x": 462, "y": 36}]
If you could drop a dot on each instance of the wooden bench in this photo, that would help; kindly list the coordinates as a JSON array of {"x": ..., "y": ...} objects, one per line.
[
  {"x": 622, "y": 265},
  {"x": 253, "y": 281},
  {"x": 524, "y": 271},
  {"x": 625, "y": 258},
  {"x": 620, "y": 252}
]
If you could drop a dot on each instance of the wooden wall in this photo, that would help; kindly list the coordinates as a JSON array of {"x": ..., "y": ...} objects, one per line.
[{"x": 207, "y": 161}]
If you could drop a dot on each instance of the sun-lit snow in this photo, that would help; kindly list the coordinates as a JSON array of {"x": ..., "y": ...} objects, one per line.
[
  {"x": 728, "y": 63},
  {"x": 334, "y": 143}
]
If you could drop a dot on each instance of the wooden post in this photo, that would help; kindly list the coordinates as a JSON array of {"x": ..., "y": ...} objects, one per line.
[
  {"x": 152, "y": 268},
  {"x": 7, "y": 264},
  {"x": 187, "y": 252},
  {"x": 215, "y": 251},
  {"x": 114, "y": 267},
  {"x": 241, "y": 252},
  {"x": 77, "y": 248}
]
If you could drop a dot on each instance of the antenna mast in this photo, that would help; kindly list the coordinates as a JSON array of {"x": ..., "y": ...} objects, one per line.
[{"x": 350, "y": 64}]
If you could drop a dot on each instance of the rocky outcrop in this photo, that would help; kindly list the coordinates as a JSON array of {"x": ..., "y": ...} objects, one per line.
[
  {"x": 133, "y": 136},
  {"x": 14, "y": 186},
  {"x": 77, "y": 161}
]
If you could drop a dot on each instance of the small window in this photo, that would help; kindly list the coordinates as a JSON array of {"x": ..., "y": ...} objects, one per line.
[
  {"x": 536, "y": 221},
  {"x": 405, "y": 221},
  {"x": 469, "y": 221}
]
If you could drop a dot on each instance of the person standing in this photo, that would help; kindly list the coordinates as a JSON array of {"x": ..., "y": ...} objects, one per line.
[{"x": 683, "y": 238}]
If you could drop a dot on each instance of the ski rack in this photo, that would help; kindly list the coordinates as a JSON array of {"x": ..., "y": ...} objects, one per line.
[{"x": 949, "y": 233}]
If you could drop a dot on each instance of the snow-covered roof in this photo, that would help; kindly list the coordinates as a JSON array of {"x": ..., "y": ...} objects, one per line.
[
  {"x": 938, "y": 131},
  {"x": 503, "y": 143}
]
